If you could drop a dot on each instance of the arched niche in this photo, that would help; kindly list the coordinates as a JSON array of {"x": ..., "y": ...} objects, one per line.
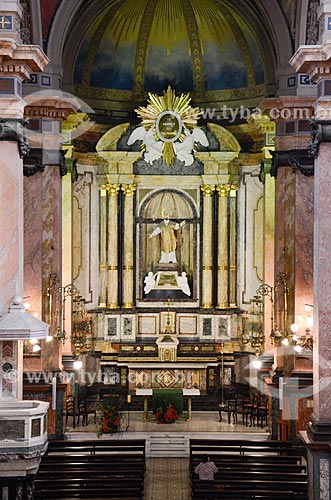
[{"x": 176, "y": 207}]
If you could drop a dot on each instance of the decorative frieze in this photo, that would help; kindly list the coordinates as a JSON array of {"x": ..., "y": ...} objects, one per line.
[{"x": 312, "y": 30}]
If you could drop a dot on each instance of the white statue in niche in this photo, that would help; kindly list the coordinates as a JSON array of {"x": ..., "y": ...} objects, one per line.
[
  {"x": 149, "y": 282},
  {"x": 183, "y": 284},
  {"x": 167, "y": 230}
]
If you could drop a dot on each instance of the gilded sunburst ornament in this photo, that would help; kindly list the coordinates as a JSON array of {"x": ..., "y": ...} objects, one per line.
[{"x": 166, "y": 124}]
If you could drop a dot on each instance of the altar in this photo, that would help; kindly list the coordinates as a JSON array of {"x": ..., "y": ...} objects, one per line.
[{"x": 165, "y": 397}]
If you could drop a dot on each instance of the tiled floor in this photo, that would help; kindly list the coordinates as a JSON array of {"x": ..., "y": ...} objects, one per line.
[{"x": 167, "y": 479}]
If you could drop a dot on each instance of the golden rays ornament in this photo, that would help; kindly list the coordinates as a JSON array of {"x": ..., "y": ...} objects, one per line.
[{"x": 166, "y": 125}]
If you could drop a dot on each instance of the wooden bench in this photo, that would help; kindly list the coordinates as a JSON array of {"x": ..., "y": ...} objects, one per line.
[
  {"x": 244, "y": 466},
  {"x": 250, "y": 469},
  {"x": 108, "y": 487},
  {"x": 247, "y": 486},
  {"x": 112, "y": 469},
  {"x": 93, "y": 447}
]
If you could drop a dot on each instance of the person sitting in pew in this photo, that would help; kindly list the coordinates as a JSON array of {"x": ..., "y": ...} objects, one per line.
[{"x": 206, "y": 469}]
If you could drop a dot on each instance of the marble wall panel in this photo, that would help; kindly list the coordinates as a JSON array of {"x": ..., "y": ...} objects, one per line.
[
  {"x": 322, "y": 285},
  {"x": 250, "y": 235},
  {"x": 33, "y": 246},
  {"x": 11, "y": 225}
]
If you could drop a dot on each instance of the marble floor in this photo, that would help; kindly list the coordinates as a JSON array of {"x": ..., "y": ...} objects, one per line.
[{"x": 201, "y": 422}]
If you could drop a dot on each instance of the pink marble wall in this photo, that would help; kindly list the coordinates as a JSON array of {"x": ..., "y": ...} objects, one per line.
[
  {"x": 11, "y": 225},
  {"x": 322, "y": 286},
  {"x": 43, "y": 248},
  {"x": 304, "y": 236},
  {"x": 33, "y": 230}
]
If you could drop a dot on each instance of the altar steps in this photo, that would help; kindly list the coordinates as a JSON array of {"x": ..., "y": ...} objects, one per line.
[{"x": 167, "y": 445}]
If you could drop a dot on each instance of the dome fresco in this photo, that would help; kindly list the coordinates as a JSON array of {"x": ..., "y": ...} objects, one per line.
[{"x": 145, "y": 45}]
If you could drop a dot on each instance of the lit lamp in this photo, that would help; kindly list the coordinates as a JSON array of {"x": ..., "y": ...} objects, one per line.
[
  {"x": 128, "y": 400},
  {"x": 77, "y": 364}
]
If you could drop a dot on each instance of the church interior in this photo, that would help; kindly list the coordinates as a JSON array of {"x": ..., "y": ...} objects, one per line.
[{"x": 164, "y": 248}]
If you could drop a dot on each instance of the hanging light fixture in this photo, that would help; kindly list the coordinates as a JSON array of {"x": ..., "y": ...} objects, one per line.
[
  {"x": 81, "y": 331},
  {"x": 253, "y": 333}
]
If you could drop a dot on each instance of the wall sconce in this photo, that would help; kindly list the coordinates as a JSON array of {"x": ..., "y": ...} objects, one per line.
[{"x": 306, "y": 341}]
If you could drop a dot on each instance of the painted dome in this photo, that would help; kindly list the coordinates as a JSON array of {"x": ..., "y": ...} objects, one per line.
[{"x": 201, "y": 46}]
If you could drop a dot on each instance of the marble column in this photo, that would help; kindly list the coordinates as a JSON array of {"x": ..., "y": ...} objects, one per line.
[
  {"x": 103, "y": 246},
  {"x": 233, "y": 246},
  {"x": 223, "y": 248},
  {"x": 112, "y": 296},
  {"x": 44, "y": 169},
  {"x": 315, "y": 62},
  {"x": 18, "y": 61},
  {"x": 207, "y": 246},
  {"x": 128, "y": 249}
]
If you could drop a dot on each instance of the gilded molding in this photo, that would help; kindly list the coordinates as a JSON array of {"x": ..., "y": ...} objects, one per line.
[
  {"x": 95, "y": 44},
  {"x": 223, "y": 190},
  {"x": 141, "y": 49},
  {"x": 129, "y": 189},
  {"x": 113, "y": 189},
  {"x": 243, "y": 45},
  {"x": 112, "y": 268},
  {"x": 195, "y": 47},
  {"x": 208, "y": 190}
]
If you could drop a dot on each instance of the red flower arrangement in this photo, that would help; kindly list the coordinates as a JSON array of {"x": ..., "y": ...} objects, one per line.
[
  {"x": 109, "y": 422},
  {"x": 167, "y": 416}
]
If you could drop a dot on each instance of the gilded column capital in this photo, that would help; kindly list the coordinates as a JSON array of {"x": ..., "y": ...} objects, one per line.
[
  {"x": 129, "y": 189},
  {"x": 222, "y": 190},
  {"x": 207, "y": 190},
  {"x": 113, "y": 189},
  {"x": 103, "y": 187}
]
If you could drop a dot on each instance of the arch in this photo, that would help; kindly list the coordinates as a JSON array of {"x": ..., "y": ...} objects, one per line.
[
  {"x": 274, "y": 40},
  {"x": 167, "y": 205}
]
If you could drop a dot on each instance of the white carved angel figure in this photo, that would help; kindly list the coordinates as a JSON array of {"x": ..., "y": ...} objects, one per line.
[
  {"x": 149, "y": 282},
  {"x": 184, "y": 150},
  {"x": 183, "y": 284},
  {"x": 153, "y": 148}
]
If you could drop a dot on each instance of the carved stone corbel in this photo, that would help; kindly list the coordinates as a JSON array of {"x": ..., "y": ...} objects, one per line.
[
  {"x": 320, "y": 132},
  {"x": 14, "y": 130},
  {"x": 39, "y": 158},
  {"x": 298, "y": 159}
]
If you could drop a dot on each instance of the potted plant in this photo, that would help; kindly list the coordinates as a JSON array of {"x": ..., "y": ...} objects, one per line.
[{"x": 167, "y": 416}]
